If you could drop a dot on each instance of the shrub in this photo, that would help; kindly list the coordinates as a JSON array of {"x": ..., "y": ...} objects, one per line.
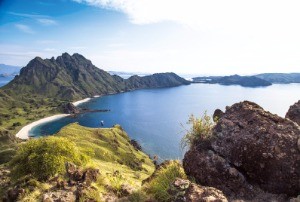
[
  {"x": 45, "y": 157},
  {"x": 162, "y": 179},
  {"x": 200, "y": 132}
]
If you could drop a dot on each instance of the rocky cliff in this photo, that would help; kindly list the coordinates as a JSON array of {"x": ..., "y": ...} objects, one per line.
[{"x": 251, "y": 151}]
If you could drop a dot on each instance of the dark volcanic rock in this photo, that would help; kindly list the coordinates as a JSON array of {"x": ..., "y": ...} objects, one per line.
[
  {"x": 136, "y": 145},
  {"x": 251, "y": 147},
  {"x": 69, "y": 108},
  {"x": 217, "y": 114},
  {"x": 294, "y": 113}
]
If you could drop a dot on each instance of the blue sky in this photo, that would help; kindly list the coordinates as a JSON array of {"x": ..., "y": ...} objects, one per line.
[{"x": 184, "y": 36}]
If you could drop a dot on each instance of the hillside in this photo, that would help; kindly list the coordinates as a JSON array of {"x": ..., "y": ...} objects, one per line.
[
  {"x": 46, "y": 84},
  {"x": 245, "y": 81},
  {"x": 280, "y": 77},
  {"x": 74, "y": 77},
  {"x": 110, "y": 164}
]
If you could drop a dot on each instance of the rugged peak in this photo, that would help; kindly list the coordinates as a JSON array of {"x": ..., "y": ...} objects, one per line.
[{"x": 66, "y": 55}]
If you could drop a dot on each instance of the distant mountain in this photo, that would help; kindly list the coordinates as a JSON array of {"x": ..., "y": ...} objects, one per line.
[
  {"x": 245, "y": 81},
  {"x": 280, "y": 77},
  {"x": 8, "y": 70},
  {"x": 74, "y": 77},
  {"x": 126, "y": 75}
]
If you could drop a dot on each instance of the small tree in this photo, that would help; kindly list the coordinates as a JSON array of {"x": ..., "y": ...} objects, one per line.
[
  {"x": 45, "y": 157},
  {"x": 200, "y": 132}
]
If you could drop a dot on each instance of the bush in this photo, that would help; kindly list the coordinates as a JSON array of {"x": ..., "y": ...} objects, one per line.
[
  {"x": 162, "y": 179},
  {"x": 44, "y": 157},
  {"x": 200, "y": 132}
]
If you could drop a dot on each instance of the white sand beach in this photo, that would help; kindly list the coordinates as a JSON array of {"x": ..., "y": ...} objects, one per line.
[
  {"x": 24, "y": 132},
  {"x": 80, "y": 101}
]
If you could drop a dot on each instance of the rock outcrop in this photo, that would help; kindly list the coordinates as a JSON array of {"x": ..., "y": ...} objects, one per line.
[
  {"x": 70, "y": 108},
  {"x": 294, "y": 113},
  {"x": 185, "y": 191},
  {"x": 252, "y": 149}
]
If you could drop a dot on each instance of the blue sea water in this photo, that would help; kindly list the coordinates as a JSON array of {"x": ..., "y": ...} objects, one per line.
[{"x": 157, "y": 118}]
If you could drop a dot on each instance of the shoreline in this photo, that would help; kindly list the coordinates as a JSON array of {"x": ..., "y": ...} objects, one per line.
[
  {"x": 76, "y": 103},
  {"x": 24, "y": 132}
]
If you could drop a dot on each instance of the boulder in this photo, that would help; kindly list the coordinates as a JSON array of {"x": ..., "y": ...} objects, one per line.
[
  {"x": 218, "y": 113},
  {"x": 294, "y": 113},
  {"x": 185, "y": 191},
  {"x": 90, "y": 175},
  {"x": 251, "y": 147}
]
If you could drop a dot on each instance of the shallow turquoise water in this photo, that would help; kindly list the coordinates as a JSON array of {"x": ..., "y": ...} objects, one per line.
[{"x": 157, "y": 117}]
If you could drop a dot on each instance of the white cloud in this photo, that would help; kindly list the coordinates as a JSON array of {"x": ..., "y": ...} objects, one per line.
[
  {"x": 24, "y": 28},
  {"x": 45, "y": 21},
  {"x": 223, "y": 35},
  {"x": 42, "y": 19}
]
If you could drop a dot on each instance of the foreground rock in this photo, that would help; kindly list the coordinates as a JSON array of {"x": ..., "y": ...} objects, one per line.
[
  {"x": 252, "y": 150},
  {"x": 183, "y": 190},
  {"x": 294, "y": 113}
]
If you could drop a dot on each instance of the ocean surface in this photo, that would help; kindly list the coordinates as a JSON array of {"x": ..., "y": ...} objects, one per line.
[{"x": 157, "y": 118}]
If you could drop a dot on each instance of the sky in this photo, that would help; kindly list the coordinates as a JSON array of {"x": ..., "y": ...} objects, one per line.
[{"x": 204, "y": 37}]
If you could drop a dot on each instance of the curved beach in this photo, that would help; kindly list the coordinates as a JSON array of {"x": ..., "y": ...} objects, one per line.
[{"x": 24, "y": 132}]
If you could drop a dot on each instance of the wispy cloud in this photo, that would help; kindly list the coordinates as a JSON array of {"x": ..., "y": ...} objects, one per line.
[
  {"x": 24, "y": 28},
  {"x": 45, "y": 21},
  {"x": 42, "y": 19}
]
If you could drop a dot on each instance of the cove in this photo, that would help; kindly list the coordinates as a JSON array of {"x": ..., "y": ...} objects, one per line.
[{"x": 157, "y": 118}]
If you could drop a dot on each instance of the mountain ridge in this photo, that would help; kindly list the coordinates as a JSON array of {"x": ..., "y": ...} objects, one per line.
[{"x": 75, "y": 77}]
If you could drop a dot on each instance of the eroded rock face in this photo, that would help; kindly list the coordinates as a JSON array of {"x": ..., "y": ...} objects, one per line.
[
  {"x": 294, "y": 113},
  {"x": 185, "y": 191},
  {"x": 251, "y": 147}
]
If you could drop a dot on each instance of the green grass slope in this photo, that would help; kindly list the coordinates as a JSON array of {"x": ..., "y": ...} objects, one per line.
[{"x": 106, "y": 149}]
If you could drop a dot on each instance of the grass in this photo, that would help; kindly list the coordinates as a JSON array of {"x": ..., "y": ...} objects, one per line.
[
  {"x": 110, "y": 152},
  {"x": 200, "y": 133},
  {"x": 162, "y": 179},
  {"x": 108, "y": 149}
]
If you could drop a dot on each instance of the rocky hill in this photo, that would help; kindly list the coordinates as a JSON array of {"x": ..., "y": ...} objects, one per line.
[
  {"x": 251, "y": 152},
  {"x": 245, "y": 81},
  {"x": 74, "y": 77},
  {"x": 280, "y": 77}
]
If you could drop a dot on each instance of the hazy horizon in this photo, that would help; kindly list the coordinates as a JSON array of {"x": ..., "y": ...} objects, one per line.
[{"x": 185, "y": 37}]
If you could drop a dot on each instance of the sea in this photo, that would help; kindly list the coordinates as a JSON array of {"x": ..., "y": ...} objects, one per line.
[{"x": 157, "y": 118}]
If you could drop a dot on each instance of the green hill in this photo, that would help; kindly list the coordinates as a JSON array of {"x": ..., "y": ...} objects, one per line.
[
  {"x": 46, "y": 84},
  {"x": 74, "y": 77},
  {"x": 280, "y": 77},
  {"x": 108, "y": 150}
]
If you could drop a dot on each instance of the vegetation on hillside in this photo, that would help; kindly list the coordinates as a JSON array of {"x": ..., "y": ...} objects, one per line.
[
  {"x": 43, "y": 158},
  {"x": 106, "y": 149},
  {"x": 200, "y": 132},
  {"x": 161, "y": 181}
]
